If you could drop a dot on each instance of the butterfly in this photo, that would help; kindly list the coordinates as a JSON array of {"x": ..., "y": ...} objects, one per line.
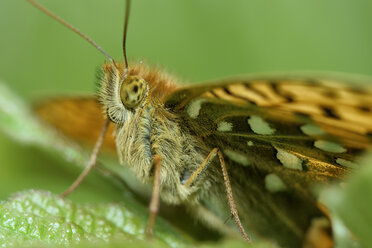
[
  {"x": 280, "y": 136},
  {"x": 253, "y": 147}
]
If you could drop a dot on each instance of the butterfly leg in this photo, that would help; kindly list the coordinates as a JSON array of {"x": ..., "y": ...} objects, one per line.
[
  {"x": 210, "y": 219},
  {"x": 91, "y": 164},
  {"x": 154, "y": 204},
  {"x": 230, "y": 197},
  {"x": 201, "y": 168}
]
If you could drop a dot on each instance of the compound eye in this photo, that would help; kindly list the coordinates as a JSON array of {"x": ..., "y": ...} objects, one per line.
[{"x": 132, "y": 91}]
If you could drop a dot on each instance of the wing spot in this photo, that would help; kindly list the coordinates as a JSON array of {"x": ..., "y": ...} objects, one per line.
[
  {"x": 330, "y": 94},
  {"x": 330, "y": 112},
  {"x": 289, "y": 160},
  {"x": 288, "y": 98},
  {"x": 329, "y": 146},
  {"x": 311, "y": 129},
  {"x": 194, "y": 107},
  {"x": 224, "y": 126},
  {"x": 237, "y": 157},
  {"x": 366, "y": 109},
  {"x": 274, "y": 183},
  {"x": 346, "y": 163},
  {"x": 259, "y": 126}
]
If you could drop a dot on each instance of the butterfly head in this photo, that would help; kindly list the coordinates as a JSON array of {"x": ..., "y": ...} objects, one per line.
[{"x": 122, "y": 94}]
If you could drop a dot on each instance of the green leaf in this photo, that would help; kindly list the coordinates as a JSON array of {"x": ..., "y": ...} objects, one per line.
[
  {"x": 39, "y": 216},
  {"x": 351, "y": 205},
  {"x": 17, "y": 121}
]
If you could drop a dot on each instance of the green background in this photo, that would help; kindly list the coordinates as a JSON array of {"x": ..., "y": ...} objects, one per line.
[{"x": 196, "y": 40}]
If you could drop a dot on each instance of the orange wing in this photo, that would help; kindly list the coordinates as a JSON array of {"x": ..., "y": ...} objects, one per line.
[{"x": 78, "y": 118}]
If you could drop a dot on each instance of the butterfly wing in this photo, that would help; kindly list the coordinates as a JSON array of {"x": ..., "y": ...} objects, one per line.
[
  {"x": 78, "y": 118},
  {"x": 280, "y": 138}
]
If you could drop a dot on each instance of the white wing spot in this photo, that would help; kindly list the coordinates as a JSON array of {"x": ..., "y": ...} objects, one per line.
[
  {"x": 329, "y": 146},
  {"x": 224, "y": 126},
  {"x": 346, "y": 163},
  {"x": 237, "y": 157},
  {"x": 289, "y": 160},
  {"x": 274, "y": 184},
  {"x": 250, "y": 143},
  {"x": 259, "y": 126},
  {"x": 311, "y": 129},
  {"x": 194, "y": 107}
]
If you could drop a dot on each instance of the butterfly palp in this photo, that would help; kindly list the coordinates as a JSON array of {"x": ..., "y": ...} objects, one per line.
[{"x": 132, "y": 91}]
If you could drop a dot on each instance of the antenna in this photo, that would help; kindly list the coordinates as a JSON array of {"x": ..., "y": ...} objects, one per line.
[
  {"x": 127, "y": 11},
  {"x": 93, "y": 158},
  {"x": 69, "y": 26}
]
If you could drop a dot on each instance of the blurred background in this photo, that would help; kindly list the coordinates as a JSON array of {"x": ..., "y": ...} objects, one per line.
[{"x": 196, "y": 40}]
